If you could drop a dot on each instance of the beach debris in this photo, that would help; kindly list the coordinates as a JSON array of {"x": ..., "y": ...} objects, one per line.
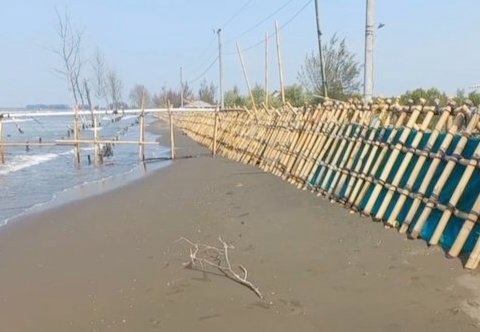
[{"x": 217, "y": 257}]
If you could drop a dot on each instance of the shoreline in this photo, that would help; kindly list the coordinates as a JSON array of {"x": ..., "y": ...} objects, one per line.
[
  {"x": 108, "y": 262},
  {"x": 99, "y": 186}
]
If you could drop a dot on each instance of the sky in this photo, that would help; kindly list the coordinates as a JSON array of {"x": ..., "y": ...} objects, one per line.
[{"x": 424, "y": 43}]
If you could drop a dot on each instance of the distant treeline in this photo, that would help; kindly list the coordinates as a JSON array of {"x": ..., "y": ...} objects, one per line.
[{"x": 47, "y": 106}]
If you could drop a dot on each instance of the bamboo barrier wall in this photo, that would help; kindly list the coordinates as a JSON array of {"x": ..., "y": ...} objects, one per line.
[{"x": 413, "y": 167}]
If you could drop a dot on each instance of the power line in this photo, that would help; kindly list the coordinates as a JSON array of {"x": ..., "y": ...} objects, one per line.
[
  {"x": 280, "y": 29},
  {"x": 204, "y": 72},
  {"x": 236, "y": 14},
  {"x": 261, "y": 22}
]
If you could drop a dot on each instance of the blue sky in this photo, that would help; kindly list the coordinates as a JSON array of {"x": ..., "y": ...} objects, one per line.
[{"x": 423, "y": 44}]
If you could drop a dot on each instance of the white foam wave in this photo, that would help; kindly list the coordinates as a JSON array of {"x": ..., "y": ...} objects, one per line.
[
  {"x": 18, "y": 163},
  {"x": 16, "y": 120}
]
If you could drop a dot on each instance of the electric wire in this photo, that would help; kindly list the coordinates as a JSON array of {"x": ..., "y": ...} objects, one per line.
[
  {"x": 279, "y": 29},
  {"x": 204, "y": 72},
  {"x": 259, "y": 23},
  {"x": 239, "y": 11}
]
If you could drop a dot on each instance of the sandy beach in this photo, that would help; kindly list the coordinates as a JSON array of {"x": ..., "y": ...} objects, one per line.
[{"x": 109, "y": 262}]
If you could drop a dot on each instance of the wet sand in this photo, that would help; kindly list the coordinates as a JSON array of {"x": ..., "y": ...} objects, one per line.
[{"x": 108, "y": 263}]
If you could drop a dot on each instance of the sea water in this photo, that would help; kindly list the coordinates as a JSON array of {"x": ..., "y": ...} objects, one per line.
[{"x": 36, "y": 177}]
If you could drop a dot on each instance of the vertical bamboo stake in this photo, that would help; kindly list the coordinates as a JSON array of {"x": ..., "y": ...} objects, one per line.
[
  {"x": 452, "y": 202},
  {"x": 354, "y": 145},
  {"x": 246, "y": 77},
  {"x": 215, "y": 128},
  {"x": 466, "y": 229},
  {"x": 392, "y": 219},
  {"x": 266, "y": 71},
  {"x": 141, "y": 138},
  {"x": 405, "y": 163},
  {"x": 172, "y": 135},
  {"x": 96, "y": 157},
  {"x": 76, "y": 150},
  {"x": 280, "y": 66},
  {"x": 2, "y": 153},
  {"x": 440, "y": 182},
  {"x": 391, "y": 160}
]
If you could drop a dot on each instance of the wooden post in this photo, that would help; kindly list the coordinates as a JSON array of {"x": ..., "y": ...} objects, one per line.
[
  {"x": 2, "y": 153},
  {"x": 172, "y": 134},
  {"x": 76, "y": 149},
  {"x": 266, "y": 71},
  {"x": 215, "y": 128},
  {"x": 97, "y": 159},
  {"x": 280, "y": 66},
  {"x": 246, "y": 77},
  {"x": 141, "y": 139}
]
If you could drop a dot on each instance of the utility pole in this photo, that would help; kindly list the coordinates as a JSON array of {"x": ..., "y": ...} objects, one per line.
[
  {"x": 219, "y": 33},
  {"x": 280, "y": 67},
  {"x": 369, "y": 34},
  {"x": 181, "y": 87},
  {"x": 320, "y": 51}
]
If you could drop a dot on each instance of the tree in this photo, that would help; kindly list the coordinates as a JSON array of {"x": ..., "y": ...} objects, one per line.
[
  {"x": 295, "y": 95},
  {"x": 136, "y": 95},
  {"x": 69, "y": 51},
  {"x": 206, "y": 92},
  {"x": 99, "y": 73},
  {"x": 233, "y": 98},
  {"x": 429, "y": 95},
  {"x": 341, "y": 71},
  {"x": 188, "y": 95},
  {"x": 114, "y": 89}
]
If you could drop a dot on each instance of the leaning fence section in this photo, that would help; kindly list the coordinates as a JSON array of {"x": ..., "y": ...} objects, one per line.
[{"x": 416, "y": 167}]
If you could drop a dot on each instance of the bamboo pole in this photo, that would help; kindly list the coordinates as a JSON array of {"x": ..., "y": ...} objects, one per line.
[
  {"x": 2, "y": 152},
  {"x": 431, "y": 171},
  {"x": 458, "y": 192},
  {"x": 399, "y": 173},
  {"x": 172, "y": 134},
  {"x": 392, "y": 158},
  {"x": 280, "y": 66},
  {"x": 438, "y": 185},
  {"x": 334, "y": 116},
  {"x": 466, "y": 229},
  {"x": 399, "y": 204},
  {"x": 365, "y": 179},
  {"x": 266, "y": 72},
  {"x": 141, "y": 137},
  {"x": 339, "y": 148},
  {"x": 215, "y": 129},
  {"x": 96, "y": 158},
  {"x": 353, "y": 147},
  {"x": 76, "y": 136},
  {"x": 246, "y": 77}
]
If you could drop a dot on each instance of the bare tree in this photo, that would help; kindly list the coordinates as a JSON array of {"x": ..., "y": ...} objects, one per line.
[
  {"x": 341, "y": 70},
  {"x": 136, "y": 95},
  {"x": 69, "y": 51},
  {"x": 114, "y": 89},
  {"x": 207, "y": 91},
  {"x": 99, "y": 73}
]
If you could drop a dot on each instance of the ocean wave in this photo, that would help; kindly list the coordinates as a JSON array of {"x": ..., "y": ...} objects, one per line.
[{"x": 20, "y": 162}]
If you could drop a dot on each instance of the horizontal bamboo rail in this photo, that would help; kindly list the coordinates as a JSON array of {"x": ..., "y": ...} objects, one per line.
[{"x": 414, "y": 167}]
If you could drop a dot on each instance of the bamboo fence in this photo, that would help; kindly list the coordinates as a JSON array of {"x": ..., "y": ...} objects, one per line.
[{"x": 414, "y": 167}]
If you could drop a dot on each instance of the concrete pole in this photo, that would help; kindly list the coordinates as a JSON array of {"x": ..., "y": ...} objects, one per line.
[
  {"x": 220, "y": 62},
  {"x": 320, "y": 51},
  {"x": 280, "y": 66},
  {"x": 181, "y": 87},
  {"x": 369, "y": 34}
]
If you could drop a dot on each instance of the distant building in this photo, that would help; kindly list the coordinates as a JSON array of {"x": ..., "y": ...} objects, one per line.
[{"x": 198, "y": 104}]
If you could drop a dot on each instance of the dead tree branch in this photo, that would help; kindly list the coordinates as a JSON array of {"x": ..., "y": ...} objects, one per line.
[{"x": 203, "y": 254}]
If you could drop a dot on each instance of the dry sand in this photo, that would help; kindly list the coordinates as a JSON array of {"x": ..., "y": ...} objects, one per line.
[{"x": 107, "y": 263}]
